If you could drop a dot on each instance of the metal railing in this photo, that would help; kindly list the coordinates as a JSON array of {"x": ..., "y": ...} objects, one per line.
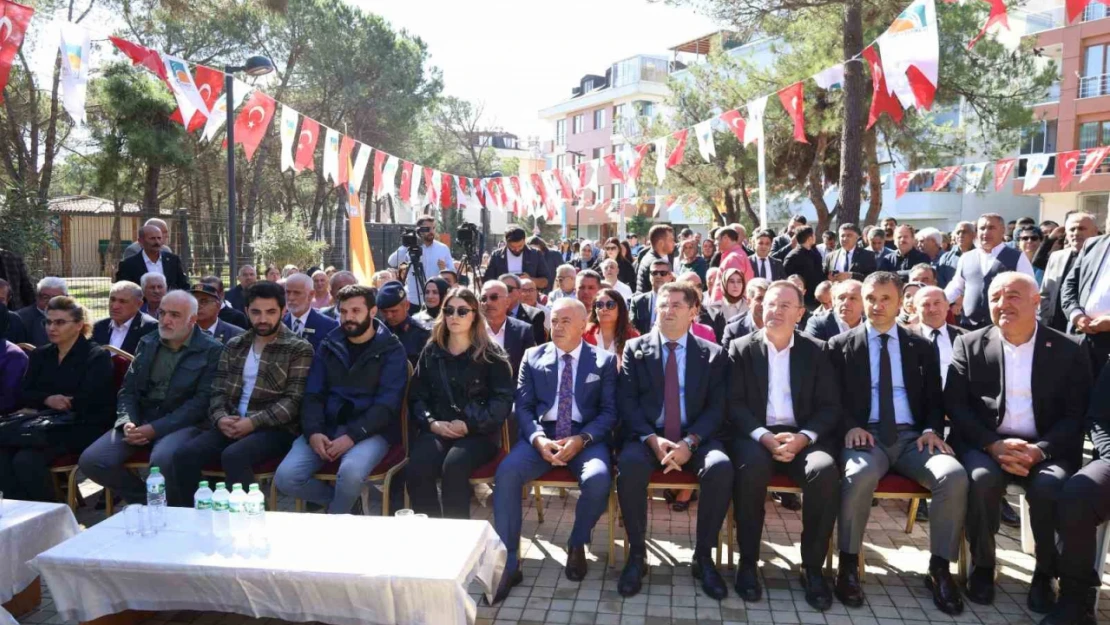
[
  {"x": 1040, "y": 21},
  {"x": 1095, "y": 11},
  {"x": 1094, "y": 86}
]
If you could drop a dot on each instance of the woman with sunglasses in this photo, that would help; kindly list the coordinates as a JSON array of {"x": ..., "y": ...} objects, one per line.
[
  {"x": 71, "y": 378},
  {"x": 460, "y": 395},
  {"x": 689, "y": 259},
  {"x": 733, "y": 303},
  {"x": 625, "y": 272},
  {"x": 434, "y": 292},
  {"x": 609, "y": 326},
  {"x": 1029, "y": 241}
]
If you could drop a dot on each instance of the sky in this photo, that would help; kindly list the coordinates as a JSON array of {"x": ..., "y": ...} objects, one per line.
[{"x": 519, "y": 56}]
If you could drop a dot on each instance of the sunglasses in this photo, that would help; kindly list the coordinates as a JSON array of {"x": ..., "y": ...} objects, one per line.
[
  {"x": 460, "y": 312},
  {"x": 492, "y": 297},
  {"x": 611, "y": 248},
  {"x": 606, "y": 305},
  {"x": 424, "y": 230},
  {"x": 1030, "y": 238},
  {"x": 660, "y": 274}
]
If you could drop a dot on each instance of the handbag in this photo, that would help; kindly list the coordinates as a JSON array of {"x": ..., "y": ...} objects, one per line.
[
  {"x": 37, "y": 429},
  {"x": 473, "y": 412}
]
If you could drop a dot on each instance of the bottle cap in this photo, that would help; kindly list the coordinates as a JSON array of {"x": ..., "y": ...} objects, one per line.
[
  {"x": 155, "y": 471},
  {"x": 237, "y": 486},
  {"x": 220, "y": 485},
  {"x": 254, "y": 487},
  {"x": 204, "y": 484}
]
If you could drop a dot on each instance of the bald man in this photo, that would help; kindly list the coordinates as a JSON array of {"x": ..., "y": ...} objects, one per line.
[{"x": 1016, "y": 395}]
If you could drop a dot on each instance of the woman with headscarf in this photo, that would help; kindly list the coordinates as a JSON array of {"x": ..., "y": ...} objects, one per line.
[
  {"x": 732, "y": 303},
  {"x": 434, "y": 292},
  {"x": 689, "y": 259}
]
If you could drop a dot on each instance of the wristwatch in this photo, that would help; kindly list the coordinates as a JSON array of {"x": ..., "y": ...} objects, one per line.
[
  {"x": 587, "y": 438},
  {"x": 691, "y": 442}
]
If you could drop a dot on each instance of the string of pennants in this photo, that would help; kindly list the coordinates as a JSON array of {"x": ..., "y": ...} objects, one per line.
[
  {"x": 903, "y": 63},
  {"x": 1036, "y": 167}
]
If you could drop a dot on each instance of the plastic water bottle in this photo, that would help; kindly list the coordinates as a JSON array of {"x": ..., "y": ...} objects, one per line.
[
  {"x": 256, "y": 517},
  {"x": 237, "y": 506},
  {"x": 202, "y": 501},
  {"x": 221, "y": 507},
  {"x": 156, "y": 498}
]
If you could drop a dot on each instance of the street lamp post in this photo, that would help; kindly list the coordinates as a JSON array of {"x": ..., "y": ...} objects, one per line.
[{"x": 255, "y": 66}]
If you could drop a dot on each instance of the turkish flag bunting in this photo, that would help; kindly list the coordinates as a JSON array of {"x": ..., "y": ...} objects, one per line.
[
  {"x": 379, "y": 163},
  {"x": 445, "y": 190},
  {"x": 139, "y": 55},
  {"x": 1075, "y": 8},
  {"x": 346, "y": 147},
  {"x": 943, "y": 176},
  {"x": 210, "y": 85},
  {"x": 615, "y": 173},
  {"x": 564, "y": 186},
  {"x": 638, "y": 163},
  {"x": 250, "y": 128},
  {"x": 924, "y": 92},
  {"x": 306, "y": 145},
  {"x": 406, "y": 181},
  {"x": 735, "y": 123},
  {"x": 679, "y": 150},
  {"x": 793, "y": 100},
  {"x": 1066, "y": 164},
  {"x": 1002, "y": 171},
  {"x": 1093, "y": 162},
  {"x": 537, "y": 184},
  {"x": 430, "y": 190},
  {"x": 175, "y": 117},
  {"x": 997, "y": 16},
  {"x": 16, "y": 17},
  {"x": 902, "y": 183},
  {"x": 517, "y": 192},
  {"x": 881, "y": 99}
]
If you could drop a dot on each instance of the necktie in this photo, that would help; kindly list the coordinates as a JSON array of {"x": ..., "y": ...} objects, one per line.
[
  {"x": 672, "y": 406},
  {"x": 763, "y": 268},
  {"x": 936, "y": 344},
  {"x": 209, "y": 333},
  {"x": 563, "y": 419},
  {"x": 298, "y": 327},
  {"x": 888, "y": 427},
  {"x": 847, "y": 260}
]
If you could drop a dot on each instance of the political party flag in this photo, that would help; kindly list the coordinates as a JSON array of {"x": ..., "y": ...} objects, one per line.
[
  {"x": 361, "y": 161},
  {"x": 706, "y": 147},
  {"x": 189, "y": 100},
  {"x": 1002, "y": 171},
  {"x": 831, "y": 78},
  {"x": 660, "y": 159},
  {"x": 306, "y": 145},
  {"x": 252, "y": 122},
  {"x": 793, "y": 100},
  {"x": 911, "y": 54},
  {"x": 14, "y": 19},
  {"x": 362, "y": 261},
  {"x": 753, "y": 130},
  {"x": 331, "y": 155},
  {"x": 1035, "y": 167},
  {"x": 346, "y": 146},
  {"x": 74, "y": 45},
  {"x": 288, "y": 129},
  {"x": 973, "y": 176}
]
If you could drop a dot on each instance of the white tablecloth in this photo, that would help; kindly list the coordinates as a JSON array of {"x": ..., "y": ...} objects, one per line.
[
  {"x": 27, "y": 529},
  {"x": 343, "y": 570}
]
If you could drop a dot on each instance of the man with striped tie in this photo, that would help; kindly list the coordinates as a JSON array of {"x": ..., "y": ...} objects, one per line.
[{"x": 304, "y": 320}]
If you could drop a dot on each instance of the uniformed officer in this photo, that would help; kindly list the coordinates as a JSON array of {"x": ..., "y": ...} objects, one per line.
[{"x": 393, "y": 309}]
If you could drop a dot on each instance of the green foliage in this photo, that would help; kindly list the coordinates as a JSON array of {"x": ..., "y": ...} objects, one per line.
[
  {"x": 639, "y": 224},
  {"x": 287, "y": 242},
  {"x": 25, "y": 230}
]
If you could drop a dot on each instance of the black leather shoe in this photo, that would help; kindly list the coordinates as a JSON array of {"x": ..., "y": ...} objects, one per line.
[
  {"x": 791, "y": 501},
  {"x": 508, "y": 580},
  {"x": 1075, "y": 607},
  {"x": 980, "y": 586},
  {"x": 1010, "y": 517},
  {"x": 576, "y": 563},
  {"x": 747, "y": 582},
  {"x": 946, "y": 594},
  {"x": 1042, "y": 593},
  {"x": 711, "y": 581},
  {"x": 922, "y": 511},
  {"x": 848, "y": 588},
  {"x": 632, "y": 576},
  {"x": 816, "y": 586}
]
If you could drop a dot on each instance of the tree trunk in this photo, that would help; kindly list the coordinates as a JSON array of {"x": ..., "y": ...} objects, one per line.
[
  {"x": 851, "y": 153},
  {"x": 150, "y": 192},
  {"x": 815, "y": 189},
  {"x": 874, "y": 182}
]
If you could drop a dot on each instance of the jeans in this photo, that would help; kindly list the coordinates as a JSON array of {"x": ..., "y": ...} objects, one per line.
[
  {"x": 451, "y": 461},
  {"x": 102, "y": 462},
  {"x": 237, "y": 458},
  {"x": 294, "y": 476}
]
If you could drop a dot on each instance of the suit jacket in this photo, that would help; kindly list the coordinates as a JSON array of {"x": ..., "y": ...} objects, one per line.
[
  {"x": 640, "y": 310},
  {"x": 714, "y": 319},
  {"x": 535, "y": 318},
  {"x": 33, "y": 323},
  {"x": 804, "y": 263},
  {"x": 519, "y": 336},
  {"x": 141, "y": 325},
  {"x": 133, "y": 268},
  {"x": 237, "y": 298},
  {"x": 823, "y": 326},
  {"x": 643, "y": 270},
  {"x": 777, "y": 270},
  {"x": 947, "y": 265},
  {"x": 594, "y": 390},
  {"x": 1076, "y": 288},
  {"x": 738, "y": 326},
  {"x": 975, "y": 393},
  {"x": 641, "y": 386},
  {"x": 1050, "y": 313},
  {"x": 16, "y": 332},
  {"x": 851, "y": 359},
  {"x": 902, "y": 265},
  {"x": 234, "y": 317},
  {"x": 316, "y": 327},
  {"x": 813, "y": 391},
  {"x": 863, "y": 263},
  {"x": 531, "y": 263},
  {"x": 225, "y": 331}
]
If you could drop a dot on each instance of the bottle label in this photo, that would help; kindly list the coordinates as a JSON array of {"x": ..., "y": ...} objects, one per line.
[
  {"x": 156, "y": 488},
  {"x": 254, "y": 508},
  {"x": 220, "y": 506},
  {"x": 204, "y": 504},
  {"x": 235, "y": 507}
]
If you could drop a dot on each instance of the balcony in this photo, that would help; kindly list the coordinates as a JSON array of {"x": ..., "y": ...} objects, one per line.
[
  {"x": 1038, "y": 22},
  {"x": 1095, "y": 11},
  {"x": 1094, "y": 86}
]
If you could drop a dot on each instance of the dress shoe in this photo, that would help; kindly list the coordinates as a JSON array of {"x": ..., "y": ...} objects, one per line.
[
  {"x": 711, "y": 581},
  {"x": 632, "y": 576},
  {"x": 747, "y": 582},
  {"x": 946, "y": 594},
  {"x": 980, "y": 586},
  {"x": 1010, "y": 517},
  {"x": 848, "y": 588},
  {"x": 922, "y": 511},
  {"x": 1075, "y": 607},
  {"x": 576, "y": 563},
  {"x": 818, "y": 595},
  {"x": 791, "y": 501},
  {"x": 508, "y": 580},
  {"x": 1042, "y": 593}
]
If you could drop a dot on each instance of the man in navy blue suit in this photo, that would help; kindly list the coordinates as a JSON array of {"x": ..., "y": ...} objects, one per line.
[
  {"x": 302, "y": 318},
  {"x": 566, "y": 407},
  {"x": 846, "y": 314}
]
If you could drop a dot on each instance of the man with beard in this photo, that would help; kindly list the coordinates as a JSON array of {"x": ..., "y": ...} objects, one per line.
[
  {"x": 254, "y": 412},
  {"x": 517, "y": 258},
  {"x": 352, "y": 406},
  {"x": 163, "y": 401},
  {"x": 434, "y": 256}
]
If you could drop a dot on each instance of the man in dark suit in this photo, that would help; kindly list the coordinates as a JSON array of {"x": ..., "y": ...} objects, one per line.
[
  {"x": 847, "y": 312},
  {"x": 786, "y": 239},
  {"x": 671, "y": 401},
  {"x": 518, "y": 258},
  {"x": 1086, "y": 301},
  {"x": 209, "y": 305},
  {"x": 849, "y": 261},
  {"x": 876, "y": 243},
  {"x": 301, "y": 317},
  {"x": 763, "y": 264},
  {"x": 662, "y": 248},
  {"x": 784, "y": 413},
  {"x": 519, "y": 310},
  {"x": 236, "y": 296},
  {"x": 566, "y": 409},
  {"x": 125, "y": 325},
  {"x": 905, "y": 256},
  {"x": 932, "y": 310},
  {"x": 513, "y": 335},
  {"x": 227, "y": 313},
  {"x": 979, "y": 267},
  {"x": 1017, "y": 396},
  {"x": 743, "y": 325},
  {"x": 894, "y": 419},
  {"x": 153, "y": 259},
  {"x": 33, "y": 317},
  {"x": 642, "y": 309},
  {"x": 805, "y": 262}
]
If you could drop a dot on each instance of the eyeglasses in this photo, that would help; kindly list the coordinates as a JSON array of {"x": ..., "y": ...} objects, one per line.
[
  {"x": 611, "y": 248},
  {"x": 57, "y": 323},
  {"x": 606, "y": 305},
  {"x": 660, "y": 274},
  {"x": 492, "y": 297},
  {"x": 460, "y": 312},
  {"x": 511, "y": 288},
  {"x": 1030, "y": 238},
  {"x": 424, "y": 230}
]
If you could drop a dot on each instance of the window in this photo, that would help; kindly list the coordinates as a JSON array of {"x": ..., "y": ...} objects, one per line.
[
  {"x": 1095, "y": 67},
  {"x": 1095, "y": 11},
  {"x": 599, "y": 119},
  {"x": 588, "y": 86},
  {"x": 561, "y": 132},
  {"x": 579, "y": 124},
  {"x": 561, "y": 161},
  {"x": 616, "y": 192},
  {"x": 598, "y": 153},
  {"x": 1039, "y": 138},
  {"x": 1093, "y": 135},
  {"x": 645, "y": 109},
  {"x": 575, "y": 158}
]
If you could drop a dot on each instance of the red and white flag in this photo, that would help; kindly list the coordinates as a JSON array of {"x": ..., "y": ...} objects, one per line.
[
  {"x": 1094, "y": 159},
  {"x": 1002, "y": 171},
  {"x": 516, "y": 194},
  {"x": 793, "y": 100},
  {"x": 943, "y": 176},
  {"x": 431, "y": 187},
  {"x": 406, "y": 181},
  {"x": 447, "y": 184},
  {"x": 252, "y": 122},
  {"x": 210, "y": 86},
  {"x": 679, "y": 150},
  {"x": 379, "y": 164},
  {"x": 306, "y": 145},
  {"x": 902, "y": 183},
  {"x": 346, "y": 147},
  {"x": 638, "y": 161},
  {"x": 1066, "y": 164},
  {"x": 735, "y": 123},
  {"x": 881, "y": 99},
  {"x": 997, "y": 16},
  {"x": 14, "y": 19},
  {"x": 615, "y": 174},
  {"x": 139, "y": 55}
]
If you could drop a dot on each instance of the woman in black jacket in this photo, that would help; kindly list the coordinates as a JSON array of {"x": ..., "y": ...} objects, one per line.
[
  {"x": 460, "y": 395},
  {"x": 612, "y": 249},
  {"x": 71, "y": 378}
]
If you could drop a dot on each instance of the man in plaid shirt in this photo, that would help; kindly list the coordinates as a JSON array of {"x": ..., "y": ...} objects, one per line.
[{"x": 254, "y": 413}]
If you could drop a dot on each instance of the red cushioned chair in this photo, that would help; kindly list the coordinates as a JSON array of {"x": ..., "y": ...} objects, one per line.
[
  {"x": 485, "y": 473},
  {"x": 676, "y": 480},
  {"x": 562, "y": 478}
]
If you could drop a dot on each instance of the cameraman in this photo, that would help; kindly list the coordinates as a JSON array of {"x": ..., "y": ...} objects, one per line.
[
  {"x": 435, "y": 257},
  {"x": 518, "y": 258}
]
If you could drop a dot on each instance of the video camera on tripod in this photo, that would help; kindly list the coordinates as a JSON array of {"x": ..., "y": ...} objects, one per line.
[{"x": 467, "y": 235}]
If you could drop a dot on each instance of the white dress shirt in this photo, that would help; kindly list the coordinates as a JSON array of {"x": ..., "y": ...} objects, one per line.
[
  {"x": 1098, "y": 300},
  {"x": 515, "y": 262},
  {"x": 429, "y": 257},
  {"x": 780, "y": 399},
  {"x": 680, "y": 355},
  {"x": 944, "y": 346},
  {"x": 845, "y": 261},
  {"x": 903, "y": 414},
  {"x": 499, "y": 336},
  {"x": 119, "y": 333},
  {"x": 840, "y": 323},
  {"x": 153, "y": 266},
  {"x": 762, "y": 267},
  {"x": 1018, "y": 363},
  {"x": 552, "y": 414},
  {"x": 250, "y": 376},
  {"x": 955, "y": 288}
]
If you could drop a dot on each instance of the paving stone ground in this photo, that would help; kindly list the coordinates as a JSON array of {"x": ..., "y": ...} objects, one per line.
[{"x": 896, "y": 561}]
